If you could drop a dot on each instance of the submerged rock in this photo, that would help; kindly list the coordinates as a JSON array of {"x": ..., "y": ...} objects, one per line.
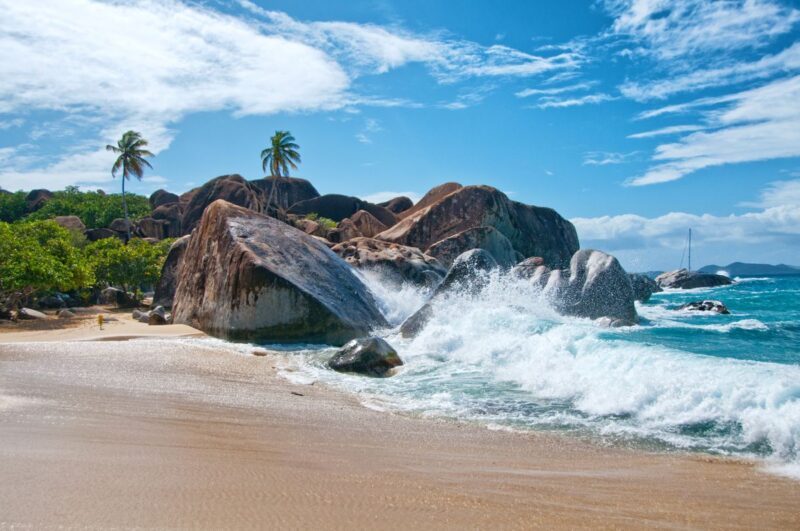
[
  {"x": 685, "y": 279},
  {"x": 250, "y": 277},
  {"x": 370, "y": 356},
  {"x": 643, "y": 286},
  {"x": 706, "y": 306}
]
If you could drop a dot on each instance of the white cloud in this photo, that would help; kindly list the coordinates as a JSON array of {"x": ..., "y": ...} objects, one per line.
[
  {"x": 672, "y": 29},
  {"x": 758, "y": 124},
  {"x": 550, "y": 102},
  {"x": 370, "y": 127},
  {"x": 777, "y": 194},
  {"x": 8, "y": 124},
  {"x": 671, "y": 130},
  {"x": 604, "y": 158},
  {"x": 526, "y": 93},
  {"x": 381, "y": 197}
]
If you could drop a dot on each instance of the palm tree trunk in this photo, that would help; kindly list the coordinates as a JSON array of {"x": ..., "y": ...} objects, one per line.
[
  {"x": 272, "y": 194},
  {"x": 125, "y": 209}
]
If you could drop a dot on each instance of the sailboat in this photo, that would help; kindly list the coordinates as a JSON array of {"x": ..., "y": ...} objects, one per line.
[{"x": 688, "y": 247}]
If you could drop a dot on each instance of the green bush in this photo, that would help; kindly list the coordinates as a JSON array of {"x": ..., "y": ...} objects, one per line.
[
  {"x": 95, "y": 209},
  {"x": 38, "y": 256},
  {"x": 324, "y": 222},
  {"x": 132, "y": 267},
  {"x": 12, "y": 206}
]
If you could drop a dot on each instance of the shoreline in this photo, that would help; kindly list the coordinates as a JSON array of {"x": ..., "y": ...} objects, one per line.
[{"x": 169, "y": 434}]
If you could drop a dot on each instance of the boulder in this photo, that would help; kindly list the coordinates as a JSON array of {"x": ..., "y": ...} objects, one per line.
[
  {"x": 528, "y": 267},
  {"x": 397, "y": 261},
  {"x": 685, "y": 279},
  {"x": 232, "y": 188},
  {"x": 30, "y": 315},
  {"x": 469, "y": 273},
  {"x": 487, "y": 238},
  {"x": 65, "y": 314},
  {"x": 120, "y": 226},
  {"x": 346, "y": 230},
  {"x": 433, "y": 196},
  {"x": 533, "y": 231},
  {"x": 36, "y": 199},
  {"x": 167, "y": 282},
  {"x": 171, "y": 216},
  {"x": 370, "y": 356},
  {"x": 290, "y": 190},
  {"x": 338, "y": 207},
  {"x": 114, "y": 296},
  {"x": 706, "y": 306},
  {"x": 51, "y": 302},
  {"x": 157, "y": 316},
  {"x": 152, "y": 228},
  {"x": 643, "y": 286},
  {"x": 367, "y": 224},
  {"x": 310, "y": 227},
  {"x": 72, "y": 223},
  {"x": 397, "y": 205},
  {"x": 595, "y": 286},
  {"x": 139, "y": 315},
  {"x": 162, "y": 197},
  {"x": 93, "y": 235},
  {"x": 250, "y": 277}
]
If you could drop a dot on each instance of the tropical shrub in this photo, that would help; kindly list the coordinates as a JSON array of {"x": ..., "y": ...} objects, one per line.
[
  {"x": 132, "y": 267},
  {"x": 96, "y": 209},
  {"x": 12, "y": 206}
]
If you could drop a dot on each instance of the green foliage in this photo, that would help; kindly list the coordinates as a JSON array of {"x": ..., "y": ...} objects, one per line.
[
  {"x": 39, "y": 256},
  {"x": 134, "y": 266},
  {"x": 95, "y": 209},
  {"x": 324, "y": 222},
  {"x": 12, "y": 206}
]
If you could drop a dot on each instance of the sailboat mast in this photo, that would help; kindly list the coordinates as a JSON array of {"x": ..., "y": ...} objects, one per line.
[{"x": 690, "y": 249}]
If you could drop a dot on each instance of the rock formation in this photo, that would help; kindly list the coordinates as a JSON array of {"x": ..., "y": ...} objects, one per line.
[
  {"x": 290, "y": 190},
  {"x": 706, "y": 306},
  {"x": 36, "y": 199},
  {"x": 434, "y": 195},
  {"x": 250, "y": 277},
  {"x": 72, "y": 223},
  {"x": 367, "y": 224},
  {"x": 643, "y": 286},
  {"x": 487, "y": 238},
  {"x": 370, "y": 356},
  {"x": 162, "y": 197},
  {"x": 231, "y": 188},
  {"x": 533, "y": 231},
  {"x": 397, "y": 205},
  {"x": 685, "y": 279},
  {"x": 396, "y": 261},
  {"x": 337, "y": 207},
  {"x": 168, "y": 281}
]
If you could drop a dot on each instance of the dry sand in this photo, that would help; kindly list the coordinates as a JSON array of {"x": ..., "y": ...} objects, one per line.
[{"x": 174, "y": 433}]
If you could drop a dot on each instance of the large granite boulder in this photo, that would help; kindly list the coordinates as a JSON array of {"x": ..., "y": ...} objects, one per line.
[
  {"x": 93, "y": 235},
  {"x": 162, "y": 197},
  {"x": 643, "y": 286},
  {"x": 401, "y": 263},
  {"x": 371, "y": 356},
  {"x": 36, "y": 199},
  {"x": 119, "y": 225},
  {"x": 171, "y": 216},
  {"x": 367, "y": 224},
  {"x": 533, "y": 231},
  {"x": 433, "y": 196},
  {"x": 487, "y": 238},
  {"x": 338, "y": 207},
  {"x": 247, "y": 276},
  {"x": 72, "y": 223},
  {"x": 398, "y": 204},
  {"x": 168, "y": 281},
  {"x": 152, "y": 228},
  {"x": 234, "y": 189},
  {"x": 595, "y": 286},
  {"x": 346, "y": 230},
  {"x": 685, "y": 279},
  {"x": 289, "y": 190}
]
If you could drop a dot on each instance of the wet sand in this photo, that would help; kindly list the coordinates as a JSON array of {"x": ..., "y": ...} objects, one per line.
[{"x": 180, "y": 434}]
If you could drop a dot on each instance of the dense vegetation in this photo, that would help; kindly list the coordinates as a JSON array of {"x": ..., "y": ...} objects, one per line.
[
  {"x": 40, "y": 257},
  {"x": 96, "y": 209}
]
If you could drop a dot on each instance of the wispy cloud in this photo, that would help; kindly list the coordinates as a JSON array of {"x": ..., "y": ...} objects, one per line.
[
  {"x": 604, "y": 158},
  {"x": 671, "y": 130},
  {"x": 526, "y": 93},
  {"x": 371, "y": 126},
  {"x": 550, "y": 102}
]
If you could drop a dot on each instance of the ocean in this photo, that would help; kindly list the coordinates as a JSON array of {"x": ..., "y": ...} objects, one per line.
[{"x": 678, "y": 381}]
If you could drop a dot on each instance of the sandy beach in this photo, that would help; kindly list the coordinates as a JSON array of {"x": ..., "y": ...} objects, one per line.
[{"x": 163, "y": 432}]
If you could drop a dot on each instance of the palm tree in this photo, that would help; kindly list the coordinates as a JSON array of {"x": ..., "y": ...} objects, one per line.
[
  {"x": 132, "y": 161},
  {"x": 280, "y": 156}
]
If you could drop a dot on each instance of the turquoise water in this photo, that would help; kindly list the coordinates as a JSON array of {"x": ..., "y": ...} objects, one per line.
[{"x": 724, "y": 384}]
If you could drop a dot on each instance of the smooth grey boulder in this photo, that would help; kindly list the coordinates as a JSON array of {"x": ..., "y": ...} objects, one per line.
[
  {"x": 706, "y": 306},
  {"x": 30, "y": 314},
  {"x": 398, "y": 262},
  {"x": 370, "y": 356},
  {"x": 140, "y": 316},
  {"x": 685, "y": 279},
  {"x": 595, "y": 286},
  {"x": 489, "y": 239},
  {"x": 65, "y": 314},
  {"x": 114, "y": 296},
  {"x": 168, "y": 281},
  {"x": 398, "y": 204},
  {"x": 157, "y": 316},
  {"x": 643, "y": 286},
  {"x": 247, "y": 276}
]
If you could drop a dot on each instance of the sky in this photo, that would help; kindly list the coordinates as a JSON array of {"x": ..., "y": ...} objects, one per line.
[{"x": 635, "y": 119}]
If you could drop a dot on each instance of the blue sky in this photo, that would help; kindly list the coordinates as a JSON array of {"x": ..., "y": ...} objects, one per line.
[{"x": 636, "y": 119}]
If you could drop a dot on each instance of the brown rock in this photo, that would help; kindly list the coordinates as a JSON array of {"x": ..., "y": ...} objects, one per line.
[
  {"x": 152, "y": 228},
  {"x": 338, "y": 207},
  {"x": 162, "y": 197},
  {"x": 401, "y": 262},
  {"x": 367, "y": 224},
  {"x": 398, "y": 204},
  {"x": 171, "y": 215},
  {"x": 231, "y": 188},
  {"x": 533, "y": 231},
  {"x": 72, "y": 223},
  {"x": 434, "y": 195},
  {"x": 290, "y": 190},
  {"x": 168, "y": 281},
  {"x": 486, "y": 238},
  {"x": 36, "y": 199},
  {"x": 248, "y": 276},
  {"x": 346, "y": 230}
]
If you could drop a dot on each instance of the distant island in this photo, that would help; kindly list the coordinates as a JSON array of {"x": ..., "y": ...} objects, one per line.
[{"x": 741, "y": 269}]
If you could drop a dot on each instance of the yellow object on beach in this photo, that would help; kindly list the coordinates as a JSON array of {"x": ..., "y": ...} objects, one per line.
[{"x": 100, "y": 320}]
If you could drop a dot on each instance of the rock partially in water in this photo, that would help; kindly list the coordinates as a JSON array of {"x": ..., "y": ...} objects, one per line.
[
  {"x": 706, "y": 306},
  {"x": 250, "y": 277},
  {"x": 370, "y": 356},
  {"x": 400, "y": 263},
  {"x": 643, "y": 286},
  {"x": 685, "y": 279},
  {"x": 487, "y": 238}
]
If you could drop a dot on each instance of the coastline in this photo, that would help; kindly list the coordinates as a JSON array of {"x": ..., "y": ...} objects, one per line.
[{"x": 157, "y": 432}]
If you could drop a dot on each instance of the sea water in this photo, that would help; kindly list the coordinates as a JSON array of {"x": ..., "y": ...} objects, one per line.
[{"x": 680, "y": 380}]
